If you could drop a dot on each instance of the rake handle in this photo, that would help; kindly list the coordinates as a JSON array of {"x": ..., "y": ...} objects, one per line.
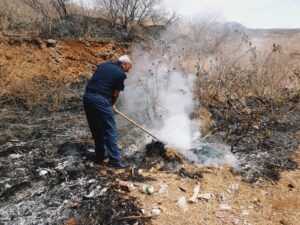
[{"x": 136, "y": 124}]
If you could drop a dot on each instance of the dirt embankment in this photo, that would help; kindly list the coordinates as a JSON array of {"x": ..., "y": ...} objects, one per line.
[{"x": 36, "y": 72}]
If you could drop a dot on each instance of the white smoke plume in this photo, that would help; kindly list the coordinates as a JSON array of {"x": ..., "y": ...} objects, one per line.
[{"x": 159, "y": 91}]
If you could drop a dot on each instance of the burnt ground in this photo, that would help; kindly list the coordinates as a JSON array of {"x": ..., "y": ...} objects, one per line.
[
  {"x": 48, "y": 177},
  {"x": 262, "y": 134}
]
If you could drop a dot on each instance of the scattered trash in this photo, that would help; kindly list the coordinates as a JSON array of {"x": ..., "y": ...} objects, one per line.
[
  {"x": 193, "y": 199},
  {"x": 224, "y": 207},
  {"x": 148, "y": 189},
  {"x": 182, "y": 204},
  {"x": 155, "y": 212},
  {"x": 206, "y": 196},
  {"x": 143, "y": 211},
  {"x": 126, "y": 186}
]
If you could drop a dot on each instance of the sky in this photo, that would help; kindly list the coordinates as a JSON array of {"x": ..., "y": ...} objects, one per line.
[{"x": 250, "y": 13}]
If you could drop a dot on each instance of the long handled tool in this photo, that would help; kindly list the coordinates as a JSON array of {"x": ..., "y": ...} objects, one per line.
[{"x": 136, "y": 124}]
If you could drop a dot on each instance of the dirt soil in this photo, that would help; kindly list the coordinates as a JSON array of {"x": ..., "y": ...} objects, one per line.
[{"x": 47, "y": 175}]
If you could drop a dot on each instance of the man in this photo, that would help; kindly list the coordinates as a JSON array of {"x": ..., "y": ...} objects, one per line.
[{"x": 101, "y": 94}]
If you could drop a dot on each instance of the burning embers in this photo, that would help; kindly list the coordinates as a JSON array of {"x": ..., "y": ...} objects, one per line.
[{"x": 158, "y": 148}]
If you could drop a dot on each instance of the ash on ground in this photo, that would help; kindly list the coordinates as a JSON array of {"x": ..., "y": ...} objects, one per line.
[{"x": 47, "y": 175}]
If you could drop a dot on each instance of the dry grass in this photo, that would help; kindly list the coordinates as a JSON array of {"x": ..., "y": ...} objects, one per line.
[{"x": 267, "y": 203}]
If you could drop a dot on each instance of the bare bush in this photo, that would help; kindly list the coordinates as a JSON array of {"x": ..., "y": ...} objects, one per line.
[{"x": 129, "y": 12}]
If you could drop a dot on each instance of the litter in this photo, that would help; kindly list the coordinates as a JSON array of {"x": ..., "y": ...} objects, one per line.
[
  {"x": 155, "y": 212},
  {"x": 182, "y": 204},
  {"x": 126, "y": 186},
  {"x": 206, "y": 196},
  {"x": 148, "y": 189},
  {"x": 193, "y": 199}
]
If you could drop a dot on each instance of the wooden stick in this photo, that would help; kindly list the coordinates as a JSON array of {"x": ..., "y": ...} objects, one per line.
[{"x": 139, "y": 126}]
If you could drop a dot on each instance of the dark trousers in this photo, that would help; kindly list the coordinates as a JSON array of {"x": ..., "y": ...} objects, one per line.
[{"x": 102, "y": 124}]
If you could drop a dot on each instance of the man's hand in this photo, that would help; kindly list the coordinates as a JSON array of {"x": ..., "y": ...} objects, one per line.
[{"x": 114, "y": 108}]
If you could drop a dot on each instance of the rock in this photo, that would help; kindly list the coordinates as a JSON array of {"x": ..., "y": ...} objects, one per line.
[
  {"x": 182, "y": 204},
  {"x": 50, "y": 43}
]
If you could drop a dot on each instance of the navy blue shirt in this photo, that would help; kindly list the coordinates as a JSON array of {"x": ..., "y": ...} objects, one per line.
[{"x": 108, "y": 77}]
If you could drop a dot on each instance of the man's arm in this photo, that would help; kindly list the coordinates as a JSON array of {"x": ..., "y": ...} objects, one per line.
[{"x": 115, "y": 98}]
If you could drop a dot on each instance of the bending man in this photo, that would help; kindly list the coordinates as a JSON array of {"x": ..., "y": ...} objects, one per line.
[{"x": 101, "y": 94}]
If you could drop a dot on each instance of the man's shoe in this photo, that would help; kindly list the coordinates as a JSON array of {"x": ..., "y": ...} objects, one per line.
[
  {"x": 118, "y": 165},
  {"x": 100, "y": 161}
]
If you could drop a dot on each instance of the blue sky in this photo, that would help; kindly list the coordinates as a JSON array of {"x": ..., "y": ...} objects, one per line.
[{"x": 250, "y": 13}]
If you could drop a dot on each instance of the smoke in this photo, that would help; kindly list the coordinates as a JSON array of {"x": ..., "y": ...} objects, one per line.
[
  {"x": 160, "y": 97},
  {"x": 159, "y": 92}
]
